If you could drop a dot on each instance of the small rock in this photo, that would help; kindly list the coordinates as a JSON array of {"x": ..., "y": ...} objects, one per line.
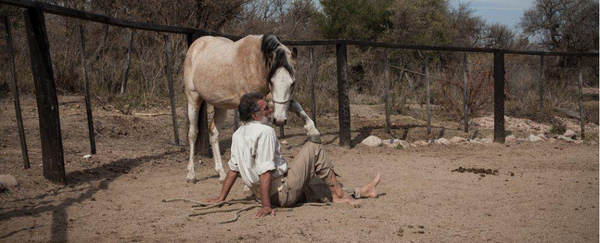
[
  {"x": 533, "y": 138},
  {"x": 456, "y": 140},
  {"x": 542, "y": 136},
  {"x": 396, "y": 143},
  {"x": 565, "y": 138},
  {"x": 578, "y": 141},
  {"x": 420, "y": 143},
  {"x": 442, "y": 141},
  {"x": 486, "y": 140},
  {"x": 421, "y": 232},
  {"x": 552, "y": 140},
  {"x": 372, "y": 141},
  {"x": 404, "y": 144},
  {"x": 510, "y": 138},
  {"x": 389, "y": 143},
  {"x": 8, "y": 182},
  {"x": 569, "y": 133},
  {"x": 284, "y": 142},
  {"x": 87, "y": 156}
]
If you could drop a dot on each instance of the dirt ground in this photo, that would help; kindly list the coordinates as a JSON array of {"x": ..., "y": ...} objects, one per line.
[{"x": 543, "y": 192}]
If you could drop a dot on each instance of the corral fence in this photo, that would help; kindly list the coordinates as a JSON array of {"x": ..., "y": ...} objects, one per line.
[{"x": 47, "y": 102}]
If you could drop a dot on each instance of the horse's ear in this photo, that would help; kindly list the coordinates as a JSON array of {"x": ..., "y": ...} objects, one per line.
[{"x": 294, "y": 53}]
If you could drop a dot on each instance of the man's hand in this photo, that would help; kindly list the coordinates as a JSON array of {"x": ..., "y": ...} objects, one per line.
[
  {"x": 264, "y": 212},
  {"x": 212, "y": 200}
]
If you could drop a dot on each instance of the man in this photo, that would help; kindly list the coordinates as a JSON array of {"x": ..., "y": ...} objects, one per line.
[{"x": 255, "y": 154}]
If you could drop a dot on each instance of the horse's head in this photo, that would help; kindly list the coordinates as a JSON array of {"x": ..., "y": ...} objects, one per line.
[{"x": 281, "y": 77}]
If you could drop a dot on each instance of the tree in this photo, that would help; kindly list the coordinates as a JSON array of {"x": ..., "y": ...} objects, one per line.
[
  {"x": 355, "y": 19},
  {"x": 468, "y": 29},
  {"x": 563, "y": 25},
  {"x": 499, "y": 36},
  {"x": 420, "y": 22}
]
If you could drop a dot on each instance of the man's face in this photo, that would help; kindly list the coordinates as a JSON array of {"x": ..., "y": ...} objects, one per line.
[{"x": 264, "y": 114}]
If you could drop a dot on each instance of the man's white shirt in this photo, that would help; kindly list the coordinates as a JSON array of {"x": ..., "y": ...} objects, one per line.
[{"x": 254, "y": 151}]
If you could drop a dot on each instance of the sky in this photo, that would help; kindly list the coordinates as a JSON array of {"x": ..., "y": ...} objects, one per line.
[{"x": 508, "y": 12}]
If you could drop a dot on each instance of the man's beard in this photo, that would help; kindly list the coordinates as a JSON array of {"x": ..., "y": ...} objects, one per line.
[{"x": 265, "y": 120}]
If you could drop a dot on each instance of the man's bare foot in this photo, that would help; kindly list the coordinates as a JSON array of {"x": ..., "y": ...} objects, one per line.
[
  {"x": 346, "y": 199},
  {"x": 370, "y": 190}
]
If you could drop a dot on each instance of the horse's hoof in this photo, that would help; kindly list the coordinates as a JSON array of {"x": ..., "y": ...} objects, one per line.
[{"x": 193, "y": 181}]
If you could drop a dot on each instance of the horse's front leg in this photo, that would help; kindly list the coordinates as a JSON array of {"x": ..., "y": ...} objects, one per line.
[
  {"x": 215, "y": 127},
  {"x": 311, "y": 131}
]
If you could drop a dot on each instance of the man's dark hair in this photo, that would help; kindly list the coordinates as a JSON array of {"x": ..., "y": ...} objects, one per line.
[{"x": 249, "y": 105}]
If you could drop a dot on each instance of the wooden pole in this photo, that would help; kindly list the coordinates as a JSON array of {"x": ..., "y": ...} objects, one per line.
[
  {"x": 386, "y": 84},
  {"x": 47, "y": 102},
  {"x": 465, "y": 89},
  {"x": 427, "y": 93},
  {"x": 124, "y": 84},
  {"x": 202, "y": 145},
  {"x": 343, "y": 100},
  {"x": 171, "y": 91},
  {"x": 541, "y": 83},
  {"x": 281, "y": 132},
  {"x": 236, "y": 120},
  {"x": 499, "y": 131},
  {"x": 86, "y": 88},
  {"x": 15, "y": 91},
  {"x": 581, "y": 116},
  {"x": 315, "y": 75}
]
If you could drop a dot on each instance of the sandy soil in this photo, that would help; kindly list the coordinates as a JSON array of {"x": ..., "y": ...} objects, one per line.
[{"x": 544, "y": 192}]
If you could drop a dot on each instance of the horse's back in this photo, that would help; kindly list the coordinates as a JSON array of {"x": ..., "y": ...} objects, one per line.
[{"x": 220, "y": 70}]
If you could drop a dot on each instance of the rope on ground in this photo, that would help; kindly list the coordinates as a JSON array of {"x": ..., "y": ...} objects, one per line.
[{"x": 254, "y": 203}]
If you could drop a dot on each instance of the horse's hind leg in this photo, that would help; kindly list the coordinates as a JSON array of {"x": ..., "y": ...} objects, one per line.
[
  {"x": 311, "y": 131},
  {"x": 213, "y": 130},
  {"x": 194, "y": 102}
]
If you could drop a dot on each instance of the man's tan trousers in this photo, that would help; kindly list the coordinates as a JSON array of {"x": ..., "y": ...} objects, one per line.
[{"x": 305, "y": 176}]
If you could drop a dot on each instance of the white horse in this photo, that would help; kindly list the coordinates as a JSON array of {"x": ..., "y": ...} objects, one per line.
[{"x": 219, "y": 71}]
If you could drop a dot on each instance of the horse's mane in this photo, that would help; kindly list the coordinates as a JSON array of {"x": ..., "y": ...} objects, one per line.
[{"x": 271, "y": 44}]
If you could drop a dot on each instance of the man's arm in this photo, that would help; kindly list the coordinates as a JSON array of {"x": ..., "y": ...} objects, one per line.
[
  {"x": 227, "y": 184},
  {"x": 265, "y": 195}
]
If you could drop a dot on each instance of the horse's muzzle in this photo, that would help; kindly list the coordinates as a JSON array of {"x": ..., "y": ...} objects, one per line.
[{"x": 279, "y": 122}]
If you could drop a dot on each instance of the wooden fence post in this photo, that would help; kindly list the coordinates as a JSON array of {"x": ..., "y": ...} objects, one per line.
[
  {"x": 386, "y": 84},
  {"x": 202, "y": 145},
  {"x": 465, "y": 87},
  {"x": 171, "y": 91},
  {"x": 541, "y": 83},
  {"x": 343, "y": 100},
  {"x": 499, "y": 132},
  {"x": 86, "y": 89},
  {"x": 124, "y": 84},
  {"x": 315, "y": 75},
  {"x": 581, "y": 116},
  {"x": 47, "y": 102},
  {"x": 428, "y": 95},
  {"x": 236, "y": 120},
  {"x": 15, "y": 91}
]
